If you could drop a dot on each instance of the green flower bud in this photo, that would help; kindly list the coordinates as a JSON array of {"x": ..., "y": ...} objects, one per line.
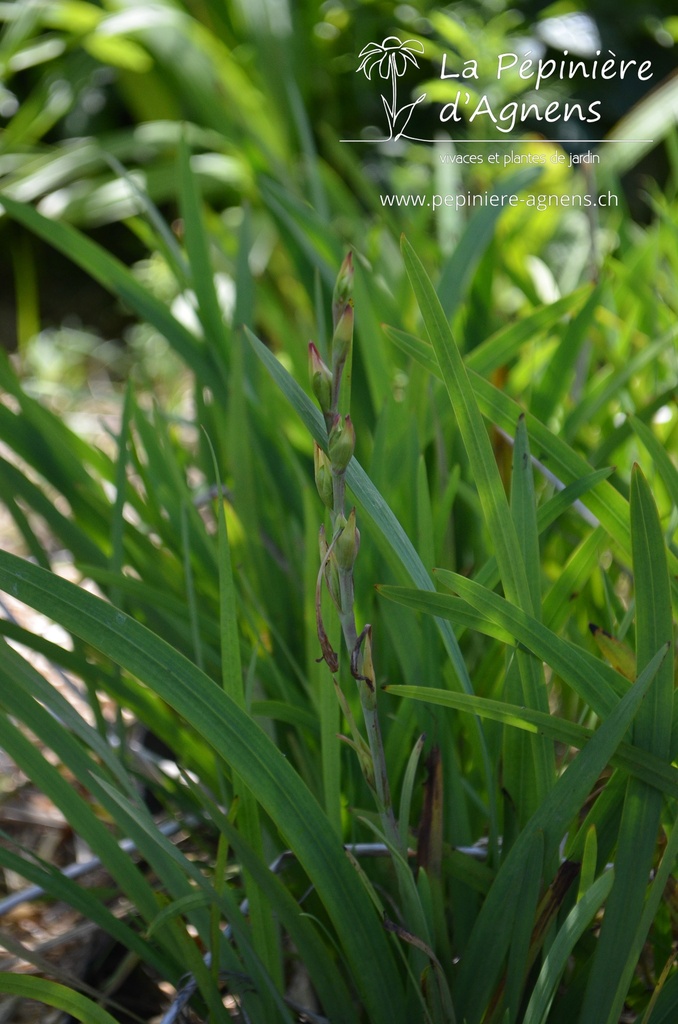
[
  {"x": 321, "y": 378},
  {"x": 330, "y": 570},
  {"x": 343, "y": 339},
  {"x": 362, "y": 668},
  {"x": 323, "y": 476},
  {"x": 343, "y": 288},
  {"x": 347, "y": 544},
  {"x": 341, "y": 443}
]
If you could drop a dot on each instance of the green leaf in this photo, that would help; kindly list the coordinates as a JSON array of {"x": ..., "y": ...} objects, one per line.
[
  {"x": 315, "y": 954},
  {"x": 233, "y": 736},
  {"x": 575, "y": 925},
  {"x": 539, "y": 776},
  {"x": 461, "y": 265},
  {"x": 604, "y": 500},
  {"x": 59, "y": 996},
  {"x": 631, "y": 759},
  {"x": 483, "y": 956},
  {"x": 595, "y": 682},
  {"x": 59, "y": 887},
  {"x": 559, "y": 371},
  {"x": 573, "y": 575},
  {"x": 612, "y": 384},
  {"x": 264, "y": 928},
  {"x": 198, "y": 251},
  {"x": 502, "y": 346},
  {"x": 660, "y": 456},
  {"x": 390, "y": 532},
  {"x": 623, "y": 925},
  {"x": 472, "y": 429},
  {"x": 524, "y": 515},
  {"x": 406, "y": 791}
]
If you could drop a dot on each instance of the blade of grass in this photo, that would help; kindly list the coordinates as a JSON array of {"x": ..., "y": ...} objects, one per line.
[
  {"x": 177, "y": 872},
  {"x": 576, "y": 571},
  {"x": 561, "y": 365},
  {"x": 657, "y": 890},
  {"x": 623, "y": 925},
  {"x": 518, "y": 756},
  {"x": 527, "y": 897},
  {"x": 471, "y": 426},
  {"x": 631, "y": 759},
  {"x": 264, "y": 930},
  {"x": 52, "y": 994},
  {"x": 493, "y": 500},
  {"x": 406, "y": 791},
  {"x": 483, "y": 957},
  {"x": 198, "y": 252},
  {"x": 394, "y": 540},
  {"x": 660, "y": 457},
  {"x": 458, "y": 271},
  {"x": 72, "y": 535},
  {"x": 594, "y": 681},
  {"x": 578, "y": 921},
  {"x": 235, "y": 738},
  {"x": 314, "y": 953},
  {"x": 604, "y": 501},
  {"x": 56, "y": 885},
  {"x": 612, "y": 384}
]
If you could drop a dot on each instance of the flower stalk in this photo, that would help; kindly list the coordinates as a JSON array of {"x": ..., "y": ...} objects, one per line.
[{"x": 338, "y": 557}]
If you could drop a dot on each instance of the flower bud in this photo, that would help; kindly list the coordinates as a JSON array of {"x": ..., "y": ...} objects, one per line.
[
  {"x": 343, "y": 288},
  {"x": 362, "y": 668},
  {"x": 323, "y": 476},
  {"x": 330, "y": 570},
  {"x": 347, "y": 544},
  {"x": 368, "y": 664},
  {"x": 370, "y": 696},
  {"x": 343, "y": 339},
  {"x": 321, "y": 378},
  {"x": 341, "y": 443}
]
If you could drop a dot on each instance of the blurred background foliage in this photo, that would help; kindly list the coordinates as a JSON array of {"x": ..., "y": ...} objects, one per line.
[{"x": 264, "y": 90}]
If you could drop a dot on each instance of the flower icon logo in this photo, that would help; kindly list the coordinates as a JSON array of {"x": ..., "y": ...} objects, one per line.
[{"x": 392, "y": 57}]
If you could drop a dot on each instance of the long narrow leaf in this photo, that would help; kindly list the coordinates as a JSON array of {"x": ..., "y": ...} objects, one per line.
[
  {"x": 483, "y": 957},
  {"x": 235, "y": 738},
  {"x": 633, "y": 760},
  {"x": 59, "y": 996},
  {"x": 501, "y": 526},
  {"x": 623, "y": 928}
]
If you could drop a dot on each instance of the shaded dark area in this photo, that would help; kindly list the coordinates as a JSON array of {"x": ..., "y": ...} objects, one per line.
[{"x": 66, "y": 294}]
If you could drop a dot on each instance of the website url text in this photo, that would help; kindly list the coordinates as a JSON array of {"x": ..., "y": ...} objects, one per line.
[{"x": 537, "y": 201}]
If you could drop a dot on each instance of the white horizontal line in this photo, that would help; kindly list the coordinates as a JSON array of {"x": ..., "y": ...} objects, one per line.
[{"x": 504, "y": 142}]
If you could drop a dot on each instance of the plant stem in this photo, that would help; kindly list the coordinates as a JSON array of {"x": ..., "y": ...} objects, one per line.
[{"x": 368, "y": 702}]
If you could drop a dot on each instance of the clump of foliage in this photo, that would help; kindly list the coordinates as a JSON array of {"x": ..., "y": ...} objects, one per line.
[
  {"x": 466, "y": 812},
  {"x": 221, "y": 662}
]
